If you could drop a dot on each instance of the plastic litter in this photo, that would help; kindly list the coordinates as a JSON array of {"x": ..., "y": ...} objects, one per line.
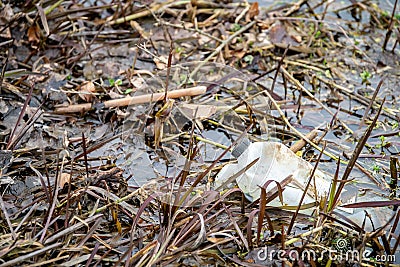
[{"x": 276, "y": 162}]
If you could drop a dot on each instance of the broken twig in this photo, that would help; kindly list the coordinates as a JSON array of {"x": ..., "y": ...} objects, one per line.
[{"x": 134, "y": 100}]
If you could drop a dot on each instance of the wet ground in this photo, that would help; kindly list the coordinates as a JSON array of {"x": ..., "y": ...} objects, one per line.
[{"x": 89, "y": 56}]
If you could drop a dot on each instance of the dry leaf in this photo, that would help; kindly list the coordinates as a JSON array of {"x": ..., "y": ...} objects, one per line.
[
  {"x": 200, "y": 111},
  {"x": 6, "y": 15},
  {"x": 216, "y": 240},
  {"x": 43, "y": 18},
  {"x": 86, "y": 91},
  {"x": 278, "y": 34},
  {"x": 34, "y": 33},
  {"x": 238, "y": 54},
  {"x": 137, "y": 82},
  {"x": 63, "y": 179},
  {"x": 140, "y": 30},
  {"x": 253, "y": 11},
  {"x": 161, "y": 62}
]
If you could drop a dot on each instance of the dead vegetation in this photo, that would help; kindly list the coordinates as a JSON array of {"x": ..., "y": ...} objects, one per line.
[{"x": 93, "y": 96}]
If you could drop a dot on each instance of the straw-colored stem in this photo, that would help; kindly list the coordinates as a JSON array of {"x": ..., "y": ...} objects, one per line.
[{"x": 134, "y": 100}]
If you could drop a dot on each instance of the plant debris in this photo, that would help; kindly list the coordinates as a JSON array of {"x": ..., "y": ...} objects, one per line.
[{"x": 117, "y": 116}]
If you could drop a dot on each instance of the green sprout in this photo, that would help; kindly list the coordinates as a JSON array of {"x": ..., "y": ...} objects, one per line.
[
  {"x": 376, "y": 168},
  {"x": 113, "y": 82},
  {"x": 127, "y": 91},
  {"x": 248, "y": 59},
  {"x": 183, "y": 78},
  {"x": 383, "y": 141},
  {"x": 179, "y": 50},
  {"x": 365, "y": 76},
  {"x": 235, "y": 27}
]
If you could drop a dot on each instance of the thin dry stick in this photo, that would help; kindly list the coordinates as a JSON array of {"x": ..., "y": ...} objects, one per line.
[
  {"x": 134, "y": 100},
  {"x": 356, "y": 153},
  {"x": 54, "y": 200},
  {"x": 278, "y": 68},
  {"x": 72, "y": 229},
  {"x": 302, "y": 88},
  {"x": 7, "y": 217},
  {"x": 298, "y": 133},
  {"x": 390, "y": 28},
  {"x": 301, "y": 143},
  {"x": 371, "y": 103},
  {"x": 390, "y": 113},
  {"x": 305, "y": 192},
  {"x": 10, "y": 143},
  {"x": 221, "y": 46},
  {"x": 184, "y": 27},
  {"x": 22, "y": 258},
  {"x": 329, "y": 23},
  {"x": 157, "y": 8}
]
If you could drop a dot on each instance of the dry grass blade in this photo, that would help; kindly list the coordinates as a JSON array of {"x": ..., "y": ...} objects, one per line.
[
  {"x": 395, "y": 224},
  {"x": 237, "y": 228},
  {"x": 393, "y": 174},
  {"x": 332, "y": 191},
  {"x": 11, "y": 142},
  {"x": 71, "y": 229},
  {"x": 43, "y": 18},
  {"x": 390, "y": 28},
  {"x": 7, "y": 217},
  {"x": 305, "y": 192},
  {"x": 371, "y": 102},
  {"x": 191, "y": 153},
  {"x": 143, "y": 252},
  {"x": 202, "y": 234},
  {"x": 274, "y": 192},
  {"x": 78, "y": 260},
  {"x": 22, "y": 258},
  {"x": 303, "y": 89},
  {"x": 54, "y": 200},
  {"x": 27, "y": 125},
  {"x": 27, "y": 215},
  {"x": 346, "y": 221},
  {"x": 373, "y": 204},
  {"x": 249, "y": 227},
  {"x": 279, "y": 67},
  {"x": 90, "y": 232},
  {"x": 141, "y": 210},
  {"x": 392, "y": 231},
  {"x": 221, "y": 46},
  {"x": 263, "y": 203},
  {"x": 93, "y": 254},
  {"x": 240, "y": 262},
  {"x": 282, "y": 114},
  {"x": 356, "y": 153},
  {"x": 97, "y": 145}
]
